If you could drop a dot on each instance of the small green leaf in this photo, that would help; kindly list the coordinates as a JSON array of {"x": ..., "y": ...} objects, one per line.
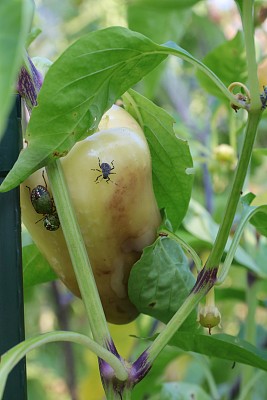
[
  {"x": 228, "y": 61},
  {"x": 223, "y": 346},
  {"x": 79, "y": 87},
  {"x": 36, "y": 269},
  {"x": 15, "y": 20},
  {"x": 161, "y": 280},
  {"x": 171, "y": 156},
  {"x": 183, "y": 391}
]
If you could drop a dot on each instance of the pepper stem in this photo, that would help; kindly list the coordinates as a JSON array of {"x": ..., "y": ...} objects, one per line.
[{"x": 78, "y": 254}]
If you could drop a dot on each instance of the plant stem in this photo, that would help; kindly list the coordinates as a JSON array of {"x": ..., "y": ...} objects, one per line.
[
  {"x": 251, "y": 130},
  {"x": 236, "y": 191},
  {"x": 248, "y": 28},
  {"x": 78, "y": 255},
  {"x": 173, "y": 325},
  {"x": 204, "y": 283},
  {"x": 186, "y": 246},
  {"x": 13, "y": 356}
]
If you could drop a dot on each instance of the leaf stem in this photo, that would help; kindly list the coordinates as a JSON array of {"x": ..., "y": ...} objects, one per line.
[
  {"x": 173, "y": 49},
  {"x": 78, "y": 254},
  {"x": 207, "y": 276},
  {"x": 250, "y": 134},
  {"x": 173, "y": 325},
  {"x": 13, "y": 356},
  {"x": 186, "y": 246}
]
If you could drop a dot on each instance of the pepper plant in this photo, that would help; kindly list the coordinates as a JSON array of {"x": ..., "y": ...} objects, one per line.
[{"x": 66, "y": 106}]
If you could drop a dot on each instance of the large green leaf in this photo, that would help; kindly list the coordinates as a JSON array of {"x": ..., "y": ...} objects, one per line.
[
  {"x": 161, "y": 280},
  {"x": 15, "y": 20},
  {"x": 228, "y": 61},
  {"x": 171, "y": 159},
  {"x": 79, "y": 87},
  {"x": 223, "y": 346}
]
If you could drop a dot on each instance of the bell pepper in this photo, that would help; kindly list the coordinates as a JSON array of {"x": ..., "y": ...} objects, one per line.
[{"x": 109, "y": 178}]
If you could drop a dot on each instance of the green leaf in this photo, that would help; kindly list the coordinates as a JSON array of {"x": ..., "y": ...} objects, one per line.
[
  {"x": 161, "y": 280},
  {"x": 36, "y": 269},
  {"x": 171, "y": 158},
  {"x": 183, "y": 391},
  {"x": 228, "y": 61},
  {"x": 223, "y": 346},
  {"x": 15, "y": 20},
  {"x": 79, "y": 87}
]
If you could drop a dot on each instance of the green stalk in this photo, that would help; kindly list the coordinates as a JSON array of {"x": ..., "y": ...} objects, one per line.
[
  {"x": 173, "y": 325},
  {"x": 186, "y": 246},
  {"x": 78, "y": 255},
  {"x": 248, "y": 28},
  {"x": 236, "y": 191},
  {"x": 14, "y": 355},
  {"x": 206, "y": 281},
  {"x": 112, "y": 394},
  {"x": 250, "y": 134}
]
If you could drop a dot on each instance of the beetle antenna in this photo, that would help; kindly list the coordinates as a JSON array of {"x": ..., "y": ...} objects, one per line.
[{"x": 44, "y": 179}]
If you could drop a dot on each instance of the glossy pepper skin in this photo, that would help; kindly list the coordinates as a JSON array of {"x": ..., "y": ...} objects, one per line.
[{"x": 118, "y": 216}]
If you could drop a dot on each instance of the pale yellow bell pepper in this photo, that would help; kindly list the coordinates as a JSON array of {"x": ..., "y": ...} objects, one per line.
[{"x": 117, "y": 212}]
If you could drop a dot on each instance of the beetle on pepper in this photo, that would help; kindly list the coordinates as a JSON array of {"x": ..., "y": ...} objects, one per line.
[
  {"x": 105, "y": 170},
  {"x": 43, "y": 203}
]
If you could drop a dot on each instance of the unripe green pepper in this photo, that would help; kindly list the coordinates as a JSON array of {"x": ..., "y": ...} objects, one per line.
[{"x": 110, "y": 184}]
